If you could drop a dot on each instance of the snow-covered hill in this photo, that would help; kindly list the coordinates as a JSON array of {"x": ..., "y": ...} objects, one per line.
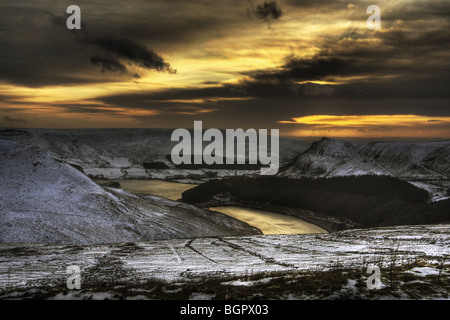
[
  {"x": 135, "y": 270},
  {"x": 426, "y": 164},
  {"x": 123, "y": 153},
  {"x": 43, "y": 199}
]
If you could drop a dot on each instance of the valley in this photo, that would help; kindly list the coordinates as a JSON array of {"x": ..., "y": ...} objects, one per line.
[
  {"x": 111, "y": 202},
  {"x": 268, "y": 222}
]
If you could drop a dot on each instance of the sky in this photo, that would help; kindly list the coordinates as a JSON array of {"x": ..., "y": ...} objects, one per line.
[{"x": 308, "y": 68}]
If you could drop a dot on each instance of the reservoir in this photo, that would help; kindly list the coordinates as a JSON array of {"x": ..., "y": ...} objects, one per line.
[
  {"x": 267, "y": 221},
  {"x": 166, "y": 189},
  {"x": 270, "y": 222}
]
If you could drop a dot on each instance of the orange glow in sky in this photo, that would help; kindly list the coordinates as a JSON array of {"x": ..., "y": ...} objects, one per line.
[{"x": 370, "y": 126}]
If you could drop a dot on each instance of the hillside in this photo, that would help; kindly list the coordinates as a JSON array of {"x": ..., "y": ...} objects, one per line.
[
  {"x": 126, "y": 153},
  {"x": 425, "y": 164},
  {"x": 48, "y": 201}
]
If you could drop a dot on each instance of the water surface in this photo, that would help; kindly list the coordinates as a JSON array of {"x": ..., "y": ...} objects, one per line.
[
  {"x": 270, "y": 222},
  {"x": 267, "y": 221},
  {"x": 166, "y": 189}
]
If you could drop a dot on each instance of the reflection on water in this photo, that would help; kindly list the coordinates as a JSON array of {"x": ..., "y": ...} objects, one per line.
[
  {"x": 166, "y": 189},
  {"x": 268, "y": 222}
]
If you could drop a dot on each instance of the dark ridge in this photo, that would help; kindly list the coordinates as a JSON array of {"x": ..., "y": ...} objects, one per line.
[
  {"x": 224, "y": 166},
  {"x": 13, "y": 132},
  {"x": 155, "y": 165},
  {"x": 369, "y": 201}
]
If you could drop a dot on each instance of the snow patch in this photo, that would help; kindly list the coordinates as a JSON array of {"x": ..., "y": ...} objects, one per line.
[{"x": 424, "y": 271}]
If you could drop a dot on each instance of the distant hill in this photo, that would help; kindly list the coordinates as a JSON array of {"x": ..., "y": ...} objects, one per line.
[
  {"x": 425, "y": 164},
  {"x": 126, "y": 153}
]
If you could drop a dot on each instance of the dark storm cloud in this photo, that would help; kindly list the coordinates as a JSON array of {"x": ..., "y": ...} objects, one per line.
[
  {"x": 121, "y": 47},
  {"x": 318, "y": 6},
  {"x": 35, "y": 53},
  {"x": 268, "y": 11},
  {"x": 56, "y": 20},
  {"x": 398, "y": 53},
  {"x": 304, "y": 70},
  {"x": 108, "y": 64},
  {"x": 391, "y": 12},
  {"x": 391, "y": 96},
  {"x": 418, "y": 42},
  {"x": 38, "y": 50},
  {"x": 404, "y": 7},
  {"x": 8, "y": 119},
  {"x": 315, "y": 3},
  {"x": 314, "y": 89},
  {"x": 150, "y": 99},
  {"x": 414, "y": 11},
  {"x": 130, "y": 50},
  {"x": 211, "y": 82},
  {"x": 267, "y": 110}
]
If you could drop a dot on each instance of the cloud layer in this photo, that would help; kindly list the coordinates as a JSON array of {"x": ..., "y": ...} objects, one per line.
[{"x": 318, "y": 59}]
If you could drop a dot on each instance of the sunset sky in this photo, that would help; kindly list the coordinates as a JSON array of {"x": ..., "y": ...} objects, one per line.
[{"x": 309, "y": 68}]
